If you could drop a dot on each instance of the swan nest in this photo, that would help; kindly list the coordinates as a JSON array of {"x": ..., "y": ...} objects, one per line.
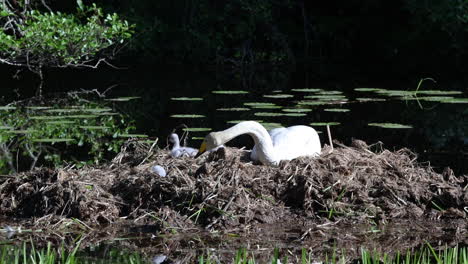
[{"x": 226, "y": 191}]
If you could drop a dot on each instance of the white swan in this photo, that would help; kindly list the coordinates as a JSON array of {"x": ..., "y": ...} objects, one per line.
[
  {"x": 178, "y": 151},
  {"x": 281, "y": 144}
]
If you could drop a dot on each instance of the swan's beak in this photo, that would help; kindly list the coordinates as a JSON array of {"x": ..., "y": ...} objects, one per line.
[{"x": 201, "y": 150}]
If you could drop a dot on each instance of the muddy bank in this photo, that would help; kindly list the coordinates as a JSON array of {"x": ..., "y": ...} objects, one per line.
[{"x": 225, "y": 191}]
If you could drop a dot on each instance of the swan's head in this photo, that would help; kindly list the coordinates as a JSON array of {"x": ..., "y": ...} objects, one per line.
[
  {"x": 173, "y": 138},
  {"x": 210, "y": 142}
]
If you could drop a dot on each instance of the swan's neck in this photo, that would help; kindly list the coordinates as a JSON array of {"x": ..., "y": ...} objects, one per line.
[
  {"x": 259, "y": 134},
  {"x": 176, "y": 143}
]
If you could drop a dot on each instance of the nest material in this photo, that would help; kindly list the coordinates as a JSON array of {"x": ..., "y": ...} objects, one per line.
[{"x": 224, "y": 190}]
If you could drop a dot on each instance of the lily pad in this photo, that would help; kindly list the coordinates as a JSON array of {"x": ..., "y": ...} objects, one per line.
[
  {"x": 297, "y": 110},
  {"x": 456, "y": 101},
  {"x": 230, "y": 92},
  {"x": 294, "y": 114},
  {"x": 330, "y": 92},
  {"x": 80, "y": 116},
  {"x": 46, "y": 117},
  {"x": 390, "y": 125},
  {"x": 38, "y": 107},
  {"x": 197, "y": 129},
  {"x": 365, "y": 99},
  {"x": 132, "y": 135},
  {"x": 325, "y": 124},
  {"x": 6, "y": 108},
  {"x": 338, "y": 110},
  {"x": 312, "y": 103},
  {"x": 269, "y": 126},
  {"x": 257, "y": 103},
  {"x": 26, "y": 131},
  {"x": 268, "y": 114},
  {"x": 123, "y": 99},
  {"x": 234, "y": 109},
  {"x": 60, "y": 122},
  {"x": 272, "y": 106},
  {"x": 438, "y": 92},
  {"x": 94, "y": 127},
  {"x": 53, "y": 140},
  {"x": 326, "y": 97},
  {"x": 97, "y": 110},
  {"x": 186, "y": 99},
  {"x": 278, "y": 96},
  {"x": 238, "y": 121},
  {"x": 367, "y": 89},
  {"x": 307, "y": 90},
  {"x": 188, "y": 116}
]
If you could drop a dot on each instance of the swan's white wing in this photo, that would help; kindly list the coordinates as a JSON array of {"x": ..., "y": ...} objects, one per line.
[{"x": 295, "y": 141}]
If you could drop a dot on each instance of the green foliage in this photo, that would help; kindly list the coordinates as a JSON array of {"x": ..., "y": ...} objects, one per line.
[
  {"x": 72, "y": 130},
  {"x": 58, "y": 39}
]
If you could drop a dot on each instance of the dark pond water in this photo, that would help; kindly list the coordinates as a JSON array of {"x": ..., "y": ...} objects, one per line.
[
  {"x": 432, "y": 124},
  {"x": 437, "y": 121}
]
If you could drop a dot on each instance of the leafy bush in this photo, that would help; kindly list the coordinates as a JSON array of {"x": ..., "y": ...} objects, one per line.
[
  {"x": 36, "y": 39},
  {"x": 59, "y": 131}
]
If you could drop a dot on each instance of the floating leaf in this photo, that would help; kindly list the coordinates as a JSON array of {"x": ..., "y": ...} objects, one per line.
[
  {"x": 364, "y": 99},
  {"x": 230, "y": 92},
  {"x": 336, "y": 110},
  {"x": 233, "y": 109},
  {"x": 133, "y": 135},
  {"x": 94, "y": 127},
  {"x": 27, "y": 131},
  {"x": 6, "y": 108},
  {"x": 238, "y": 121},
  {"x": 438, "y": 92},
  {"x": 297, "y": 110},
  {"x": 436, "y": 98},
  {"x": 276, "y": 96},
  {"x": 64, "y": 110},
  {"x": 6, "y": 127},
  {"x": 45, "y": 117},
  {"x": 325, "y": 124},
  {"x": 53, "y": 140},
  {"x": 186, "y": 99},
  {"x": 257, "y": 103},
  {"x": 326, "y": 97},
  {"x": 80, "y": 116},
  {"x": 187, "y": 116},
  {"x": 268, "y": 114},
  {"x": 269, "y": 126},
  {"x": 197, "y": 129},
  {"x": 97, "y": 110},
  {"x": 272, "y": 106},
  {"x": 389, "y": 125},
  {"x": 396, "y": 92},
  {"x": 307, "y": 90},
  {"x": 197, "y": 138},
  {"x": 38, "y": 107},
  {"x": 123, "y": 99},
  {"x": 312, "y": 103},
  {"x": 294, "y": 114},
  {"x": 367, "y": 89},
  {"x": 330, "y": 92},
  {"x": 456, "y": 101},
  {"x": 60, "y": 122}
]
